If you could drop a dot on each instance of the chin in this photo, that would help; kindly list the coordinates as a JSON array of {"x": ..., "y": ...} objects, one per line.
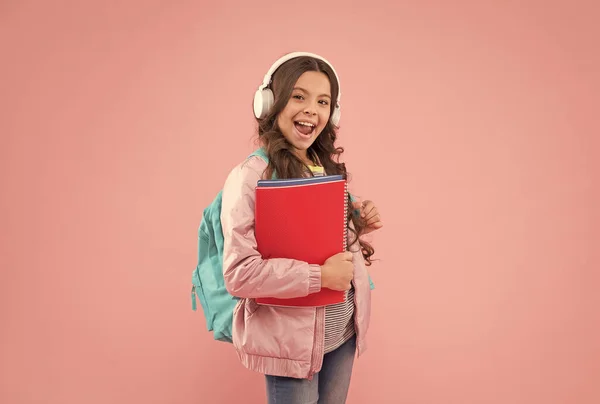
[{"x": 300, "y": 148}]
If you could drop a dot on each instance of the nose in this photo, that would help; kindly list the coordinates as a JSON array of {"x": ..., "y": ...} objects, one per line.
[{"x": 310, "y": 109}]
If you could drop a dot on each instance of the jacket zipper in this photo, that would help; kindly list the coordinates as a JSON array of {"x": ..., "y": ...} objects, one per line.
[
  {"x": 317, "y": 354},
  {"x": 356, "y": 326}
]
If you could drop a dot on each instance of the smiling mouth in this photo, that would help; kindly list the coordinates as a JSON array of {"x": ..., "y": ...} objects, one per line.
[{"x": 305, "y": 128}]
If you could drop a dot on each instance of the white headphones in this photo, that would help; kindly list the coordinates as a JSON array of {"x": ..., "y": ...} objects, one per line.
[{"x": 264, "y": 99}]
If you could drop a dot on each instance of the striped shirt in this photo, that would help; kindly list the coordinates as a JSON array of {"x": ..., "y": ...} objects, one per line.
[{"x": 339, "y": 317}]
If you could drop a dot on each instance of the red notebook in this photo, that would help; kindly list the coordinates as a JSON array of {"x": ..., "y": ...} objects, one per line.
[{"x": 302, "y": 219}]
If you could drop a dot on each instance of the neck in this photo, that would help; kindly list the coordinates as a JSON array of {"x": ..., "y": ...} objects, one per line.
[{"x": 303, "y": 155}]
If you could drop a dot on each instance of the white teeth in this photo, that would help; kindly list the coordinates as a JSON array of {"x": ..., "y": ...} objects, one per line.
[{"x": 306, "y": 124}]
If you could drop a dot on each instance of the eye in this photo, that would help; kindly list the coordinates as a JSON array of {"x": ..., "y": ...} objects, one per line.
[
  {"x": 298, "y": 96},
  {"x": 324, "y": 102}
]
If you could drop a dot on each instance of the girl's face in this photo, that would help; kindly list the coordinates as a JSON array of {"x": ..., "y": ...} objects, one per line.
[{"x": 307, "y": 111}]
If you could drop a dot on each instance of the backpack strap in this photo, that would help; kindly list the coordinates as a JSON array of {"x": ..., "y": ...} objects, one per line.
[{"x": 262, "y": 153}]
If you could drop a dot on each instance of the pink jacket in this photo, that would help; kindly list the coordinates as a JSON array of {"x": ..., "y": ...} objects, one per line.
[{"x": 276, "y": 340}]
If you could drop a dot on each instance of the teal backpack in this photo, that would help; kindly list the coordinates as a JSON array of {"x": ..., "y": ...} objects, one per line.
[{"x": 208, "y": 284}]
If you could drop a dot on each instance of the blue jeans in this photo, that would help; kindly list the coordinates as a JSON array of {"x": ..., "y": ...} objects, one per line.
[{"x": 329, "y": 386}]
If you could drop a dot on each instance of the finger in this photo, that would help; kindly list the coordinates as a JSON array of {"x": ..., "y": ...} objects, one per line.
[
  {"x": 373, "y": 214},
  {"x": 368, "y": 209},
  {"x": 373, "y": 227},
  {"x": 357, "y": 205},
  {"x": 373, "y": 220}
]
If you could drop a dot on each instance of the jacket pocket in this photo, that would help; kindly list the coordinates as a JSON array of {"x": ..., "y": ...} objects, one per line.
[{"x": 279, "y": 332}]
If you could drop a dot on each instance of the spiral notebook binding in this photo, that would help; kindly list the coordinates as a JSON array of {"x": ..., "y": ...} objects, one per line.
[{"x": 345, "y": 215}]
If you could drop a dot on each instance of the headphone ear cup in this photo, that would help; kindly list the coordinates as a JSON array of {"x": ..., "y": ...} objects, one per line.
[
  {"x": 335, "y": 117},
  {"x": 263, "y": 102}
]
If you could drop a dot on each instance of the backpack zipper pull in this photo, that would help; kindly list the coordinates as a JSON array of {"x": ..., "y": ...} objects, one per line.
[{"x": 194, "y": 298}]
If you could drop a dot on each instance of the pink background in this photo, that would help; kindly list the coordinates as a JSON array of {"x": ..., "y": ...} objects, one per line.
[{"x": 472, "y": 126}]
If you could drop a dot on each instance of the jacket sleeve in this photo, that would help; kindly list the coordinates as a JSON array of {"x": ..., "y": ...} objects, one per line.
[{"x": 246, "y": 274}]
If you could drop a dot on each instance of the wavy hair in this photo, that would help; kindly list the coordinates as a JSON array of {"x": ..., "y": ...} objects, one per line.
[{"x": 283, "y": 160}]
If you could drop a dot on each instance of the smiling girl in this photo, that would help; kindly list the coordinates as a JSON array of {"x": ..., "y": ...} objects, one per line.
[{"x": 305, "y": 353}]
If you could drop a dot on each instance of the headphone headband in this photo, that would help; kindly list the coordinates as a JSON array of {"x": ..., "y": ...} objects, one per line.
[{"x": 289, "y": 56}]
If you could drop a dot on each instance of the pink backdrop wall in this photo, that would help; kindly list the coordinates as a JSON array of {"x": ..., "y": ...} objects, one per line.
[{"x": 473, "y": 127}]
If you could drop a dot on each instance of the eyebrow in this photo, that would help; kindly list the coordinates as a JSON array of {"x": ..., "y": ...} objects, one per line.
[{"x": 303, "y": 90}]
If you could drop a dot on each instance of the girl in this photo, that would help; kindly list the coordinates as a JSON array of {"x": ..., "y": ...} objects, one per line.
[{"x": 306, "y": 353}]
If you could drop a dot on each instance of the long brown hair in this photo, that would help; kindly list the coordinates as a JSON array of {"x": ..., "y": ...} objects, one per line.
[{"x": 282, "y": 159}]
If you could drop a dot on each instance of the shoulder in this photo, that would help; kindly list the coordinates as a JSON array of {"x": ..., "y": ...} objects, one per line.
[
  {"x": 253, "y": 166},
  {"x": 245, "y": 174}
]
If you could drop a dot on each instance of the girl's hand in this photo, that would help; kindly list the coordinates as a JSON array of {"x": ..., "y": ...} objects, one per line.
[
  {"x": 337, "y": 272},
  {"x": 370, "y": 215}
]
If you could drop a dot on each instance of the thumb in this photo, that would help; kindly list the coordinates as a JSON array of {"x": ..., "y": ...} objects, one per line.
[{"x": 357, "y": 205}]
